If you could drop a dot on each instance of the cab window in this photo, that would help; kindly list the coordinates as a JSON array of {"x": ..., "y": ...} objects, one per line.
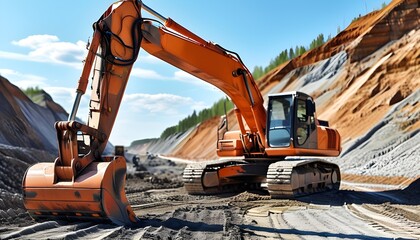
[
  {"x": 301, "y": 111},
  {"x": 279, "y": 121},
  {"x": 302, "y": 130}
]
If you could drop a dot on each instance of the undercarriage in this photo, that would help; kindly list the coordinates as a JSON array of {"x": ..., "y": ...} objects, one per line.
[{"x": 286, "y": 178}]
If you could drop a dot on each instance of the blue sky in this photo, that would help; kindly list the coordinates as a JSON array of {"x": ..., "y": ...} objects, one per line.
[{"x": 42, "y": 44}]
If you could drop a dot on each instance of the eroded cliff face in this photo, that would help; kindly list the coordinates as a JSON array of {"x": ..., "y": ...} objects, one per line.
[
  {"x": 27, "y": 133},
  {"x": 389, "y": 24},
  {"x": 364, "y": 81},
  {"x": 25, "y": 123}
]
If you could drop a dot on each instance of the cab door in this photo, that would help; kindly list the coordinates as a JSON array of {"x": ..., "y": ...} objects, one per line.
[
  {"x": 279, "y": 123},
  {"x": 305, "y": 129}
]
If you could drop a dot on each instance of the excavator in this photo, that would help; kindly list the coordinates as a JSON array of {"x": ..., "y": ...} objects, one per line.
[{"x": 277, "y": 148}]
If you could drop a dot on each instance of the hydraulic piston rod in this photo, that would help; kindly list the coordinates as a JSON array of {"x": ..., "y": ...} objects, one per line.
[{"x": 154, "y": 13}]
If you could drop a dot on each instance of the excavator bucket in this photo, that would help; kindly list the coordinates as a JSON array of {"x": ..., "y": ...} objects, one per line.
[{"x": 95, "y": 194}]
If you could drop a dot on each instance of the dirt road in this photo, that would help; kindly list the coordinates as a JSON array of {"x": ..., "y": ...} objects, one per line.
[{"x": 166, "y": 211}]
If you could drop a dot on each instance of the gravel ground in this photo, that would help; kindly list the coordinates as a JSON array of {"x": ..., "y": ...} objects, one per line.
[{"x": 166, "y": 211}]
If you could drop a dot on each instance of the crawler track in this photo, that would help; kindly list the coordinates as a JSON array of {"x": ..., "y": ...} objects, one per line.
[
  {"x": 294, "y": 178},
  {"x": 285, "y": 179},
  {"x": 196, "y": 174},
  {"x": 192, "y": 178}
]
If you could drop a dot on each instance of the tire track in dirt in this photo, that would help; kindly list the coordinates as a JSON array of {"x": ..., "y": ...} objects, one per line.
[
  {"x": 310, "y": 222},
  {"x": 64, "y": 230},
  {"x": 234, "y": 217},
  {"x": 386, "y": 218}
]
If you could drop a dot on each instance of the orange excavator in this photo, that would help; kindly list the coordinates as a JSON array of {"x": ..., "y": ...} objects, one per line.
[{"x": 270, "y": 150}]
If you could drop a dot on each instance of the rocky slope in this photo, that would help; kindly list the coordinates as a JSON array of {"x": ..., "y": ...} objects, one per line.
[
  {"x": 27, "y": 133},
  {"x": 25, "y": 123},
  {"x": 365, "y": 81},
  {"x": 27, "y": 136}
]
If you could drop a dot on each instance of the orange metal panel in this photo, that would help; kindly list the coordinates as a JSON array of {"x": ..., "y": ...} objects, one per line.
[
  {"x": 276, "y": 152},
  {"x": 64, "y": 206},
  {"x": 99, "y": 189},
  {"x": 230, "y": 171}
]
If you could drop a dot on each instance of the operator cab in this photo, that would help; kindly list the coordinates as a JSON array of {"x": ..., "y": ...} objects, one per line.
[{"x": 291, "y": 120}]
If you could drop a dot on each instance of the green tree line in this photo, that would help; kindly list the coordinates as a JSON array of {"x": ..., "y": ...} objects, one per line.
[
  {"x": 287, "y": 55},
  {"x": 217, "y": 109},
  {"x": 31, "y": 91}
]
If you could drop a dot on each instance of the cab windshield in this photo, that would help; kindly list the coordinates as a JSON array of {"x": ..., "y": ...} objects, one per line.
[{"x": 279, "y": 121}]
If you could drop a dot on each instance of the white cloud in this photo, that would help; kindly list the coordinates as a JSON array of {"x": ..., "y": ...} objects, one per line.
[
  {"x": 62, "y": 95},
  {"x": 36, "y": 41},
  {"x": 23, "y": 80},
  {"x": 146, "y": 74},
  {"x": 66, "y": 96},
  {"x": 49, "y": 49},
  {"x": 13, "y": 56},
  {"x": 163, "y": 103}
]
